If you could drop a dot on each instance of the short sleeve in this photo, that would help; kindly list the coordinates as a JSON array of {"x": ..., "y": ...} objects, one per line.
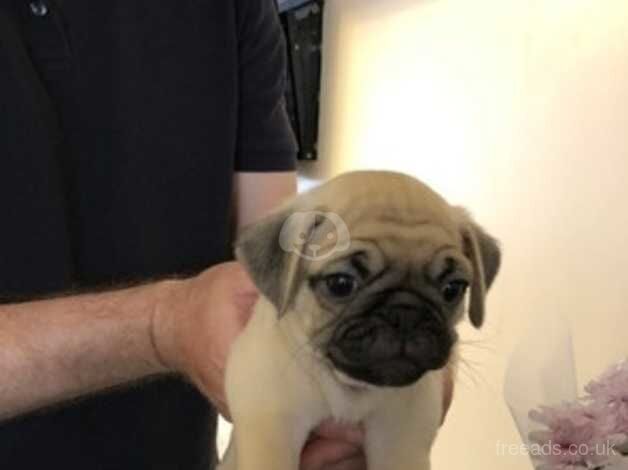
[{"x": 266, "y": 141}]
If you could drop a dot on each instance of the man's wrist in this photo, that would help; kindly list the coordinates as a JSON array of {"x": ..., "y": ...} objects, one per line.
[{"x": 163, "y": 323}]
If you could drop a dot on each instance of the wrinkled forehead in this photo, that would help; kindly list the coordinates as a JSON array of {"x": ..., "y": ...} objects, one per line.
[
  {"x": 412, "y": 240},
  {"x": 391, "y": 200},
  {"x": 390, "y": 222},
  {"x": 387, "y": 237},
  {"x": 400, "y": 213},
  {"x": 405, "y": 213}
]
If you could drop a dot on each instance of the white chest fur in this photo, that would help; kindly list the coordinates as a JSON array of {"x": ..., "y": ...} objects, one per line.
[{"x": 278, "y": 390}]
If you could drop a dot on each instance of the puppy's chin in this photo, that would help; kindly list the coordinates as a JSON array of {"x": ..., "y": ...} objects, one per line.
[
  {"x": 397, "y": 373},
  {"x": 351, "y": 382}
]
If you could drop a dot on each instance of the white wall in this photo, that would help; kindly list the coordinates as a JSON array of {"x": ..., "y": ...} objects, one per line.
[{"x": 519, "y": 110}]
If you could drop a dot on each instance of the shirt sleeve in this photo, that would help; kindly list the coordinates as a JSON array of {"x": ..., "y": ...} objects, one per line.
[{"x": 266, "y": 141}]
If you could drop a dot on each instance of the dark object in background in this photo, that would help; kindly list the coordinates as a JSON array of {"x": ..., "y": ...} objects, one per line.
[{"x": 302, "y": 21}]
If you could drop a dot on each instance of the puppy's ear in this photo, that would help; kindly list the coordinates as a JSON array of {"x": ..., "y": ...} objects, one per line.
[
  {"x": 484, "y": 253},
  {"x": 267, "y": 251}
]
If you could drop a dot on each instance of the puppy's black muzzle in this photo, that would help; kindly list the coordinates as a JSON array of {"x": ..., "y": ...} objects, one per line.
[{"x": 392, "y": 345}]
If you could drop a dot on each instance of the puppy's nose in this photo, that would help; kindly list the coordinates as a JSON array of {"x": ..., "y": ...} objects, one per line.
[{"x": 405, "y": 319}]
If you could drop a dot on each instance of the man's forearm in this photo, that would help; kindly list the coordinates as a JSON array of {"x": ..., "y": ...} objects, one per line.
[{"x": 55, "y": 350}]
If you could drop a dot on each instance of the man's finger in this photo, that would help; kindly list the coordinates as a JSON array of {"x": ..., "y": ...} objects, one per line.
[
  {"x": 244, "y": 281},
  {"x": 224, "y": 412},
  {"x": 356, "y": 463},
  {"x": 332, "y": 430},
  {"x": 320, "y": 453}
]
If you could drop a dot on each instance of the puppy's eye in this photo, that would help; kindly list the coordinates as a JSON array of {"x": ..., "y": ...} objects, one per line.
[
  {"x": 341, "y": 285},
  {"x": 453, "y": 290}
]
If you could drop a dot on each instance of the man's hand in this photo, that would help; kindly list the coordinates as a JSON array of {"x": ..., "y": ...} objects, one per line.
[
  {"x": 195, "y": 328},
  {"x": 334, "y": 446}
]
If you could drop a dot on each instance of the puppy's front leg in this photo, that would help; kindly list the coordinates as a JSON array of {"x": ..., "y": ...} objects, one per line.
[
  {"x": 272, "y": 401},
  {"x": 266, "y": 435},
  {"x": 265, "y": 441},
  {"x": 400, "y": 434}
]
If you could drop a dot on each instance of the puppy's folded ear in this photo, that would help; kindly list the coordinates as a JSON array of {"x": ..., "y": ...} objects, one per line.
[
  {"x": 484, "y": 253},
  {"x": 269, "y": 251}
]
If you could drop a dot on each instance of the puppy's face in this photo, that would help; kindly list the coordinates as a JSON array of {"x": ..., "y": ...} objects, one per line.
[
  {"x": 388, "y": 306},
  {"x": 382, "y": 308}
]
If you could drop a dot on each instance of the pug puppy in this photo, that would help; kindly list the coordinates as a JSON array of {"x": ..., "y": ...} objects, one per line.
[{"x": 362, "y": 282}]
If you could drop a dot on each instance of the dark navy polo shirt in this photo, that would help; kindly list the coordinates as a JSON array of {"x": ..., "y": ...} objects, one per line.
[{"x": 121, "y": 125}]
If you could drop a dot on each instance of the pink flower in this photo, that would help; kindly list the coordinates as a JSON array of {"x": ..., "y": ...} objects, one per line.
[
  {"x": 619, "y": 464},
  {"x": 611, "y": 390},
  {"x": 576, "y": 437}
]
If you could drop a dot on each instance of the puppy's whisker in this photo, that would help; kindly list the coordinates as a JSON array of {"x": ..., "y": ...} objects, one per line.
[
  {"x": 474, "y": 342},
  {"x": 485, "y": 348},
  {"x": 478, "y": 348},
  {"x": 470, "y": 363},
  {"x": 300, "y": 350},
  {"x": 471, "y": 370}
]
